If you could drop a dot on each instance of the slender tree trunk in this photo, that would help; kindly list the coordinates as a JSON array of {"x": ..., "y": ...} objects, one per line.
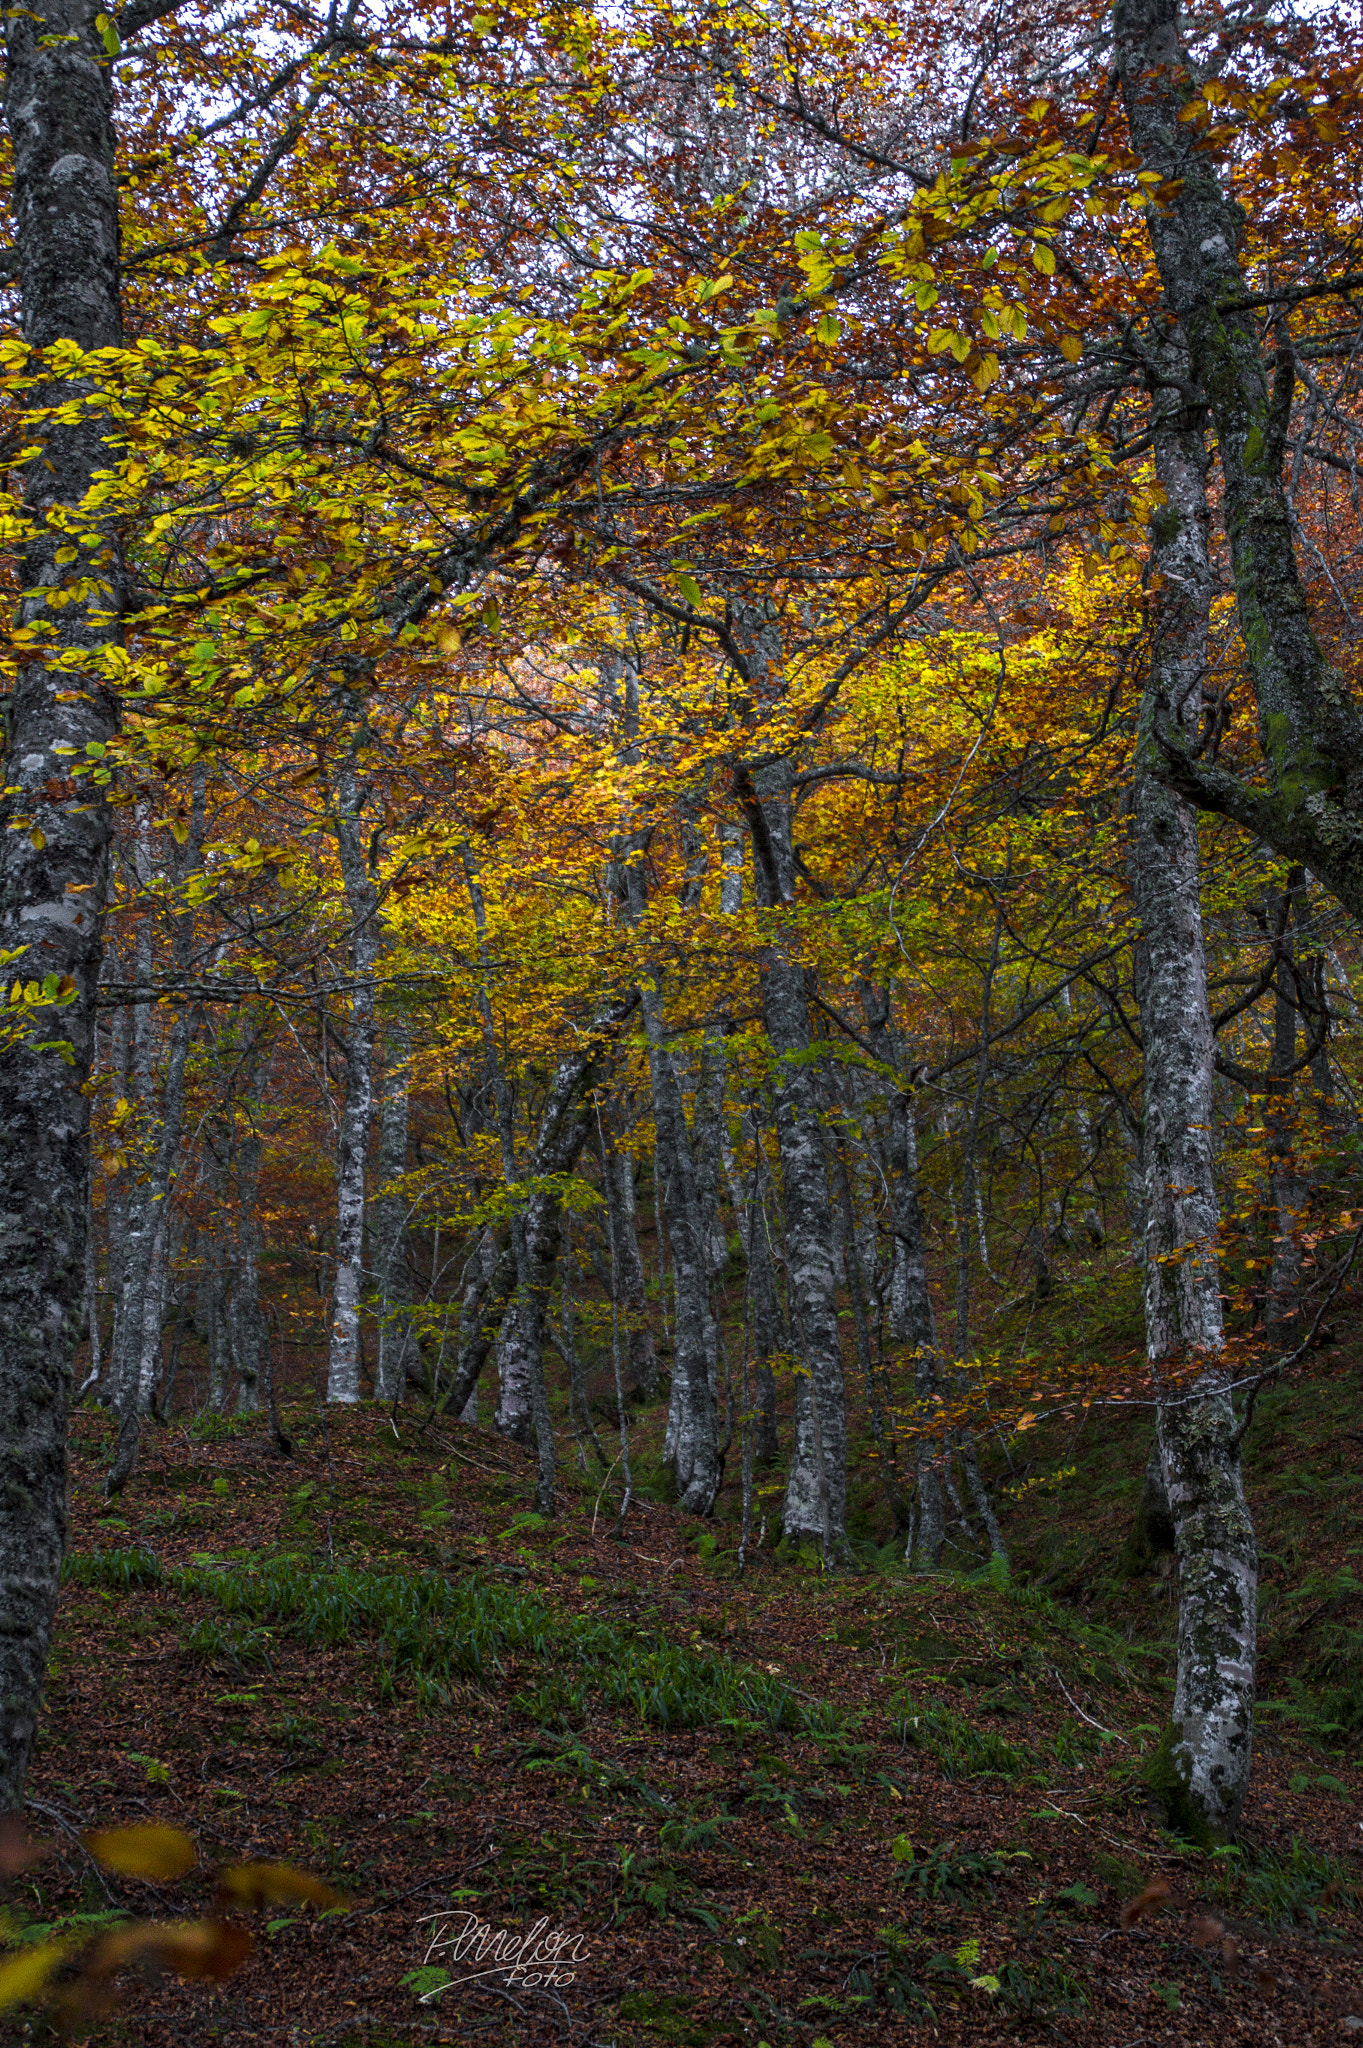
[
  {"x": 1211, "y": 1735},
  {"x": 816, "y": 1489},
  {"x": 692, "y": 1437},
  {"x": 913, "y": 1324},
  {"x": 248, "y": 1334},
  {"x": 344, "y": 1359},
  {"x": 398, "y": 1354},
  {"x": 631, "y": 1291}
]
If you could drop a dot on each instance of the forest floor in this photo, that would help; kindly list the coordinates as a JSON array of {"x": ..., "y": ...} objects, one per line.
[{"x": 789, "y": 1808}]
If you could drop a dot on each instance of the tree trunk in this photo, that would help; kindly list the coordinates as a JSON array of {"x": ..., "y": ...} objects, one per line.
[
  {"x": 398, "y": 1354},
  {"x": 344, "y": 1360},
  {"x": 692, "y": 1434},
  {"x": 630, "y": 1290},
  {"x": 1206, "y": 1756},
  {"x": 816, "y": 1489},
  {"x": 247, "y": 1332},
  {"x": 1310, "y": 730}
]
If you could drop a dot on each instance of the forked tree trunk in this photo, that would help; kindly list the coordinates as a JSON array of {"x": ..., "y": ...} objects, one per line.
[
  {"x": 54, "y": 840},
  {"x": 1205, "y": 1759}
]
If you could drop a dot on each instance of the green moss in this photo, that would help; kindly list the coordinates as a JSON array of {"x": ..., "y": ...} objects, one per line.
[{"x": 1166, "y": 1775}]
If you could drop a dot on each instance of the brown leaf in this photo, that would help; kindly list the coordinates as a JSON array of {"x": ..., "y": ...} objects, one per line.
[
  {"x": 258, "y": 1884},
  {"x": 1267, "y": 1982},
  {"x": 1148, "y": 1901},
  {"x": 1206, "y": 1931},
  {"x": 1230, "y": 1954},
  {"x": 151, "y": 1851},
  {"x": 194, "y": 1948},
  {"x": 18, "y": 1848}
]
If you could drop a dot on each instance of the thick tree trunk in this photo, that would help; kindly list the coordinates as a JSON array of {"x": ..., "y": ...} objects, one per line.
[
  {"x": 344, "y": 1359},
  {"x": 54, "y": 841},
  {"x": 1310, "y": 729},
  {"x": 1206, "y": 1757}
]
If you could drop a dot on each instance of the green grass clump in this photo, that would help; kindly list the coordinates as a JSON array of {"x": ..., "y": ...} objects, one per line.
[
  {"x": 961, "y": 1748},
  {"x": 431, "y": 1632},
  {"x": 118, "y": 1570}
]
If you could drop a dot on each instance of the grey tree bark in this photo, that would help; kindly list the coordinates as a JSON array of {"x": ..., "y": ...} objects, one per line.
[
  {"x": 344, "y": 1357},
  {"x": 54, "y": 840},
  {"x": 1310, "y": 728},
  {"x": 816, "y": 1489},
  {"x": 1209, "y": 1743},
  {"x": 631, "y": 1293}
]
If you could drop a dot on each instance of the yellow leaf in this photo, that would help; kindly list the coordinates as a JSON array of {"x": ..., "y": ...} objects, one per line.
[
  {"x": 23, "y": 1976},
  {"x": 1071, "y": 347},
  {"x": 38, "y": 838},
  {"x": 255, "y": 1884},
  {"x": 1044, "y": 259},
  {"x": 149, "y": 1851}
]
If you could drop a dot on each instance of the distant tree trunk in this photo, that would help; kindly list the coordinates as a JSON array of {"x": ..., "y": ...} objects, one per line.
[
  {"x": 139, "y": 1367},
  {"x": 1290, "y": 1190},
  {"x": 344, "y": 1359},
  {"x": 692, "y": 1444},
  {"x": 399, "y": 1358},
  {"x": 913, "y": 1324},
  {"x": 1208, "y": 1747},
  {"x": 247, "y": 1331},
  {"x": 816, "y": 1488},
  {"x": 631, "y": 1291}
]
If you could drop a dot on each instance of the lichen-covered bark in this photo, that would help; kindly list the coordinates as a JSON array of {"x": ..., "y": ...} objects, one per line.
[
  {"x": 1212, "y": 1729},
  {"x": 816, "y": 1489},
  {"x": 1310, "y": 730},
  {"x": 54, "y": 835},
  {"x": 343, "y": 1361}
]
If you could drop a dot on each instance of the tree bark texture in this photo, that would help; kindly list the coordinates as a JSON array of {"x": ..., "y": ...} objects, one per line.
[
  {"x": 344, "y": 1360},
  {"x": 816, "y": 1489},
  {"x": 1310, "y": 730},
  {"x": 1212, "y": 1727},
  {"x": 54, "y": 840}
]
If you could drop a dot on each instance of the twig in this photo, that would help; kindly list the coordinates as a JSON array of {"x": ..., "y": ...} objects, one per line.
[
  {"x": 1111, "y": 1733},
  {"x": 597, "y": 1509}
]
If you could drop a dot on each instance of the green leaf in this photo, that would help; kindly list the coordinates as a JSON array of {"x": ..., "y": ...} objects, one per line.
[{"x": 690, "y": 590}]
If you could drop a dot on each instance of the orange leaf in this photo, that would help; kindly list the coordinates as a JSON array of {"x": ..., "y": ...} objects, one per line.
[
  {"x": 149, "y": 1851},
  {"x": 1148, "y": 1901},
  {"x": 255, "y": 1884}
]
